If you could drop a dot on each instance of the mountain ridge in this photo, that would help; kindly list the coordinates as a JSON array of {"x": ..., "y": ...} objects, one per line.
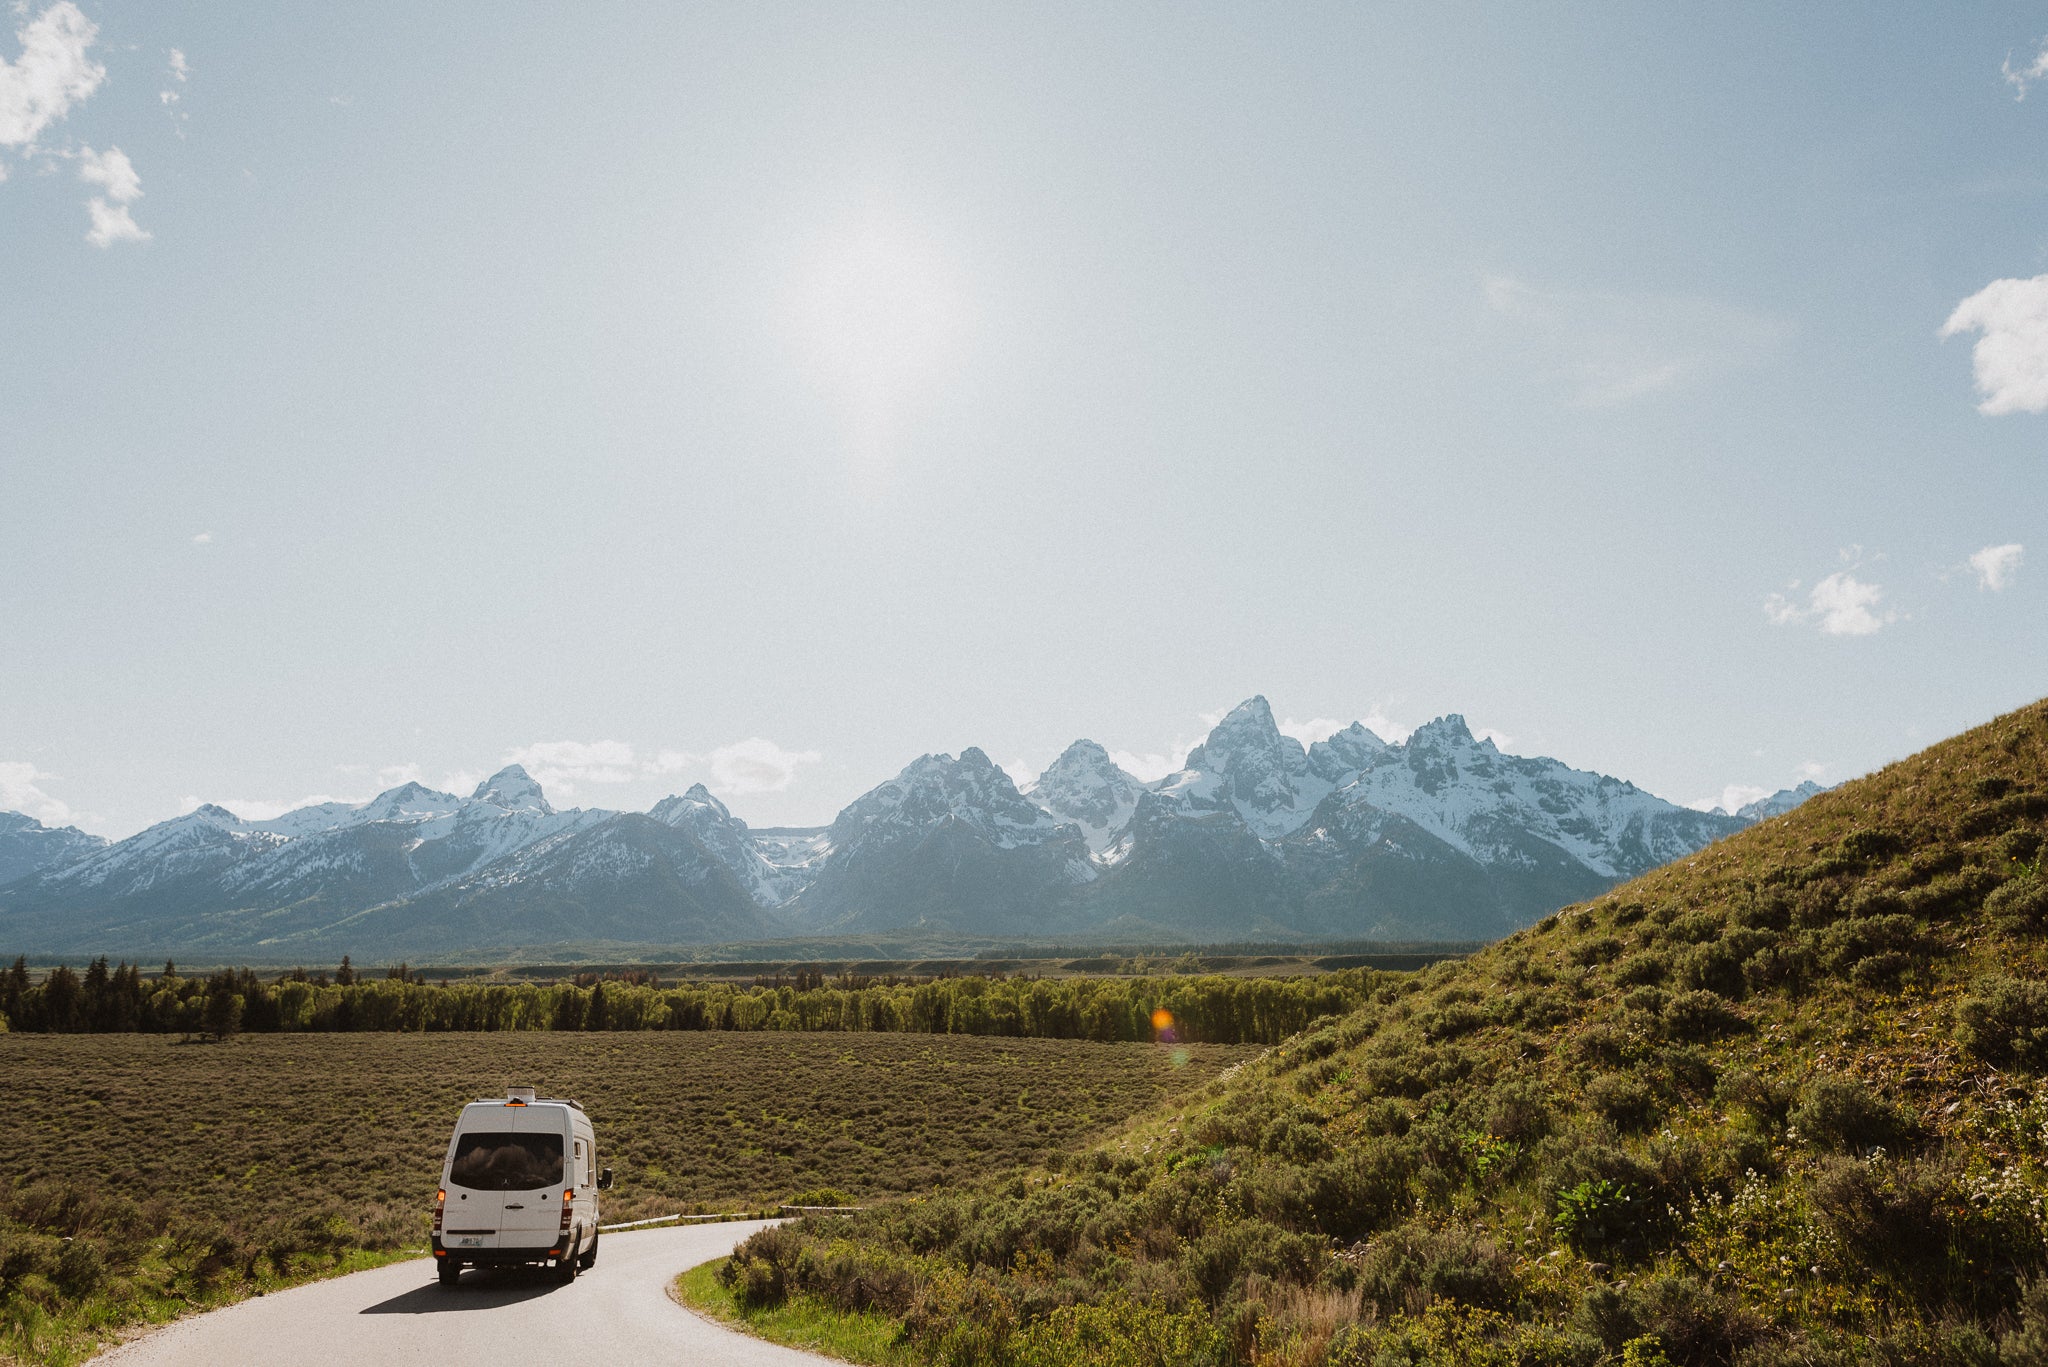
[{"x": 1440, "y": 836}]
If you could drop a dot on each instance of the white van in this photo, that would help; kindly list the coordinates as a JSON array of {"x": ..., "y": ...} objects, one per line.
[{"x": 519, "y": 1185}]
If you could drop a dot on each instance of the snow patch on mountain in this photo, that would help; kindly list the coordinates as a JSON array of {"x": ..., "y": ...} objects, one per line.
[
  {"x": 1247, "y": 766},
  {"x": 1086, "y": 787},
  {"x": 1778, "y": 803}
]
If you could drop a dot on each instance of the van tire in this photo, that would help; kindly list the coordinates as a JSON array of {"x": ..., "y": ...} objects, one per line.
[
  {"x": 589, "y": 1260},
  {"x": 565, "y": 1268},
  {"x": 446, "y": 1271}
]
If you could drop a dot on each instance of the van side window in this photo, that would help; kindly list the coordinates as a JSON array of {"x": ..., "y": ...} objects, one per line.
[{"x": 582, "y": 1168}]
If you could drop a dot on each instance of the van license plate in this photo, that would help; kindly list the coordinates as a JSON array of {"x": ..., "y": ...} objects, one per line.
[{"x": 471, "y": 1242}]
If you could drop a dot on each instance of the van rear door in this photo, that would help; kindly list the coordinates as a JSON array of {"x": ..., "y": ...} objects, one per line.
[
  {"x": 533, "y": 1216},
  {"x": 502, "y": 1180}
]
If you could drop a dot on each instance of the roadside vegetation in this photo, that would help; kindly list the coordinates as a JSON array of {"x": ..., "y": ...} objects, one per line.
[
  {"x": 146, "y": 1177},
  {"x": 1202, "y": 1008},
  {"x": 1778, "y": 1103}
]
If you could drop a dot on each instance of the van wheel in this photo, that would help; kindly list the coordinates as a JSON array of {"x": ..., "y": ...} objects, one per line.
[
  {"x": 565, "y": 1268},
  {"x": 446, "y": 1271},
  {"x": 589, "y": 1260}
]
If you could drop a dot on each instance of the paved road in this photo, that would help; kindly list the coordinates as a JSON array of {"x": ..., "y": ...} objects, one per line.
[{"x": 617, "y": 1313}]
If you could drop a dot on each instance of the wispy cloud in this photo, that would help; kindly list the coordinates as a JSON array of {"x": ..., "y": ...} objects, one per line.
[
  {"x": 757, "y": 766},
  {"x": 21, "y": 790},
  {"x": 1313, "y": 730},
  {"x": 2020, "y": 77},
  {"x": 1607, "y": 349},
  {"x": 1150, "y": 767},
  {"x": 1997, "y": 565},
  {"x": 1733, "y": 798},
  {"x": 563, "y": 765},
  {"x": 203, "y": 539},
  {"x": 120, "y": 187},
  {"x": 53, "y": 73},
  {"x": 267, "y": 809},
  {"x": 1839, "y": 605},
  {"x": 172, "y": 96},
  {"x": 754, "y": 765},
  {"x": 2010, "y": 358}
]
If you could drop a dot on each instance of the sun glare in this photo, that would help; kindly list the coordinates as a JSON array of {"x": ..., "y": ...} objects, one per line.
[{"x": 880, "y": 309}]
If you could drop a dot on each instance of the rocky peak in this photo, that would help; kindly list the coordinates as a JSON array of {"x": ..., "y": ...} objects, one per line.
[
  {"x": 1248, "y": 739},
  {"x": 513, "y": 789},
  {"x": 1446, "y": 732},
  {"x": 1778, "y": 803},
  {"x": 693, "y": 808},
  {"x": 1347, "y": 752},
  {"x": 1247, "y": 765},
  {"x": 1085, "y": 786},
  {"x": 932, "y": 788}
]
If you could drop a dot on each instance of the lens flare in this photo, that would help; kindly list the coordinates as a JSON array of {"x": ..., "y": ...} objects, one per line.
[{"x": 1162, "y": 1019}]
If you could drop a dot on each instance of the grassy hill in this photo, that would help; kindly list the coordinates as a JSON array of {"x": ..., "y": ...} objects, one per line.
[{"x": 1776, "y": 1103}]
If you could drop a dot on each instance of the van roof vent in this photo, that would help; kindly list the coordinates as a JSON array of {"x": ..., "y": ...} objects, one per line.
[{"x": 519, "y": 1094}]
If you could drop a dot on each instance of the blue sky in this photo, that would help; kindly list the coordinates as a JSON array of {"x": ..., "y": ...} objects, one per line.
[{"x": 765, "y": 395}]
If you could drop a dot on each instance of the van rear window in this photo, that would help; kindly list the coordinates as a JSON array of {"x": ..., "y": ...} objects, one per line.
[{"x": 492, "y": 1160}]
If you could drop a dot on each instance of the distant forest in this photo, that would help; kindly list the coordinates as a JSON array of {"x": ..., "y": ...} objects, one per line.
[{"x": 1211, "y": 1009}]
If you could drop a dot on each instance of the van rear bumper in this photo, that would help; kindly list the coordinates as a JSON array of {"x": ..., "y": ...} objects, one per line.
[{"x": 499, "y": 1257}]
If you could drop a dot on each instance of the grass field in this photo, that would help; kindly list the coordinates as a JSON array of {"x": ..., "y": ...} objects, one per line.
[
  {"x": 193, "y": 1172},
  {"x": 1783, "y": 1103}
]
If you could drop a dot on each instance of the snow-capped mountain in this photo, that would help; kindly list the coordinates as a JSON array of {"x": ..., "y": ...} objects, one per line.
[
  {"x": 1441, "y": 836},
  {"x": 947, "y": 841},
  {"x": 301, "y": 870},
  {"x": 1778, "y": 803},
  {"x": 1246, "y": 766},
  {"x": 28, "y": 846},
  {"x": 765, "y": 867},
  {"x": 1085, "y": 786}
]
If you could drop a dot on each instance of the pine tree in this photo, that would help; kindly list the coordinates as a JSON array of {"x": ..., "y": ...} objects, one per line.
[{"x": 345, "y": 976}]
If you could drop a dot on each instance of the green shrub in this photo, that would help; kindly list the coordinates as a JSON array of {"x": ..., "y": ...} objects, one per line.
[
  {"x": 1597, "y": 1215},
  {"x": 1416, "y": 1264},
  {"x": 1849, "y": 942},
  {"x": 1841, "y": 1113},
  {"x": 2020, "y": 906},
  {"x": 1648, "y": 966},
  {"x": 1701, "y": 1015},
  {"x": 2005, "y": 1022},
  {"x": 1624, "y": 1099}
]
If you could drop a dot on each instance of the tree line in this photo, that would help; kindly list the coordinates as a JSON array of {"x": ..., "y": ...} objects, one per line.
[{"x": 1207, "y": 1009}]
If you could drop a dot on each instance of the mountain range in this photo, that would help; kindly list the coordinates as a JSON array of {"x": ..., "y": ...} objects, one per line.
[{"x": 1257, "y": 836}]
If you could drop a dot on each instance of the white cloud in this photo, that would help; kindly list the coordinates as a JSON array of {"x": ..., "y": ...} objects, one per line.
[
  {"x": 2022, "y": 77},
  {"x": 1608, "y": 349},
  {"x": 1022, "y": 772},
  {"x": 1814, "y": 770},
  {"x": 757, "y": 766},
  {"x": 1309, "y": 732},
  {"x": 671, "y": 762},
  {"x": 1385, "y": 727},
  {"x": 1839, "y": 605},
  {"x": 563, "y": 764},
  {"x": 21, "y": 791},
  {"x": 1996, "y": 565},
  {"x": 115, "y": 175},
  {"x": 1501, "y": 739},
  {"x": 203, "y": 539},
  {"x": 1733, "y": 798},
  {"x": 2010, "y": 359},
  {"x": 170, "y": 96},
  {"x": 52, "y": 74},
  {"x": 1845, "y": 605},
  {"x": 267, "y": 809},
  {"x": 1149, "y": 768}
]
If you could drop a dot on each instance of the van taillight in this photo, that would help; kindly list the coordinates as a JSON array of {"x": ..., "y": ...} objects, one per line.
[
  {"x": 567, "y": 1197},
  {"x": 440, "y": 1207}
]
